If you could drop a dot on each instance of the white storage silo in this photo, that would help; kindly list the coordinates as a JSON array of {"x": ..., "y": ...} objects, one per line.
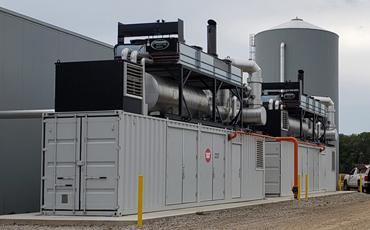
[{"x": 283, "y": 50}]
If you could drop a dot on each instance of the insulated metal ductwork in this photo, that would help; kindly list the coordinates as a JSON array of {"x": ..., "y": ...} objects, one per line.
[
  {"x": 162, "y": 95},
  {"x": 212, "y": 37},
  {"x": 254, "y": 113},
  {"x": 331, "y": 133}
]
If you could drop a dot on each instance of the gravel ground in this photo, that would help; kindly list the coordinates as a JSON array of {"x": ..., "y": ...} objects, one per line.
[{"x": 346, "y": 211}]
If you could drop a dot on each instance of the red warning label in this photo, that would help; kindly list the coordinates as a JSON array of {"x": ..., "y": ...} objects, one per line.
[{"x": 208, "y": 155}]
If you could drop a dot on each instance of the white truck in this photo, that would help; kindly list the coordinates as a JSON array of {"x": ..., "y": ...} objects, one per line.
[{"x": 352, "y": 180}]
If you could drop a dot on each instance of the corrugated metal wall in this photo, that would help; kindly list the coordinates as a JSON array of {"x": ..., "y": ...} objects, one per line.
[
  {"x": 144, "y": 153},
  {"x": 29, "y": 49},
  {"x": 171, "y": 157}
]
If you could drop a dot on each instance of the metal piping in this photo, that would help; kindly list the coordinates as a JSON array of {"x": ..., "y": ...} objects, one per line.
[
  {"x": 24, "y": 114},
  {"x": 254, "y": 113},
  {"x": 163, "y": 95},
  {"x": 331, "y": 132},
  {"x": 282, "y": 62},
  {"x": 248, "y": 66},
  {"x": 124, "y": 53},
  {"x": 212, "y": 37}
]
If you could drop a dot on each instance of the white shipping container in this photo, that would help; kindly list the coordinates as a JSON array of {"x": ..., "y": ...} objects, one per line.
[{"x": 91, "y": 162}]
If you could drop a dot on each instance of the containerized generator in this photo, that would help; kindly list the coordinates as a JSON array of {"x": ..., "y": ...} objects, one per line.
[
  {"x": 185, "y": 121},
  {"x": 160, "y": 109}
]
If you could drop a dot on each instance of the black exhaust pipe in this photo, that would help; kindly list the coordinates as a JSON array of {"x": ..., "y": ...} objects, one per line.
[{"x": 212, "y": 38}]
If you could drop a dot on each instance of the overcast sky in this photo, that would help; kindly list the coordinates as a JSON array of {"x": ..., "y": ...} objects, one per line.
[{"x": 350, "y": 19}]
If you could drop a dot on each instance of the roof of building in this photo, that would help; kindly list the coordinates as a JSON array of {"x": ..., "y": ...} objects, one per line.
[{"x": 41, "y": 23}]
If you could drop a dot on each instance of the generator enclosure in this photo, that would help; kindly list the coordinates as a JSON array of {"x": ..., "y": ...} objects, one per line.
[
  {"x": 98, "y": 85},
  {"x": 318, "y": 165},
  {"x": 91, "y": 162}
]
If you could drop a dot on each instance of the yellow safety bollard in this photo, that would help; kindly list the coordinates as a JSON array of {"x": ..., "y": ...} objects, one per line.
[
  {"x": 340, "y": 184},
  {"x": 140, "y": 186},
  {"x": 360, "y": 186},
  {"x": 306, "y": 187},
  {"x": 299, "y": 191}
]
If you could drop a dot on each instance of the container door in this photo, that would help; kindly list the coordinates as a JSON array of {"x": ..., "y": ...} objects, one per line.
[
  {"x": 99, "y": 160},
  {"x": 205, "y": 167},
  {"x": 236, "y": 153},
  {"x": 174, "y": 166},
  {"x": 61, "y": 173},
  {"x": 316, "y": 181},
  {"x": 302, "y": 165},
  {"x": 189, "y": 183},
  {"x": 273, "y": 168},
  {"x": 310, "y": 160},
  {"x": 218, "y": 167}
]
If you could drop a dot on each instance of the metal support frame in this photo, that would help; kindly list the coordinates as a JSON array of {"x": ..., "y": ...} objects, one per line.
[
  {"x": 182, "y": 100},
  {"x": 238, "y": 93}
]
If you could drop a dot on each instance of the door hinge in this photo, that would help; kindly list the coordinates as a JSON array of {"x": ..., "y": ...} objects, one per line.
[{"x": 80, "y": 163}]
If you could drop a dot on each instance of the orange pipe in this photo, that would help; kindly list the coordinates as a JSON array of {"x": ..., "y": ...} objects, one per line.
[
  {"x": 288, "y": 139},
  {"x": 295, "y": 143}
]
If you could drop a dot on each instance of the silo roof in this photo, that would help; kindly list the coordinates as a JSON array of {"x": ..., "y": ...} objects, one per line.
[{"x": 297, "y": 23}]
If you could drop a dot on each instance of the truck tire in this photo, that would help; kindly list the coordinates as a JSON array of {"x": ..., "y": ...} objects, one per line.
[{"x": 345, "y": 186}]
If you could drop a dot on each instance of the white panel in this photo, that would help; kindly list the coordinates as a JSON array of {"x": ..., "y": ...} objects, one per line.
[
  {"x": 310, "y": 170},
  {"x": 62, "y": 145},
  {"x": 100, "y": 156},
  {"x": 205, "y": 168},
  {"x": 287, "y": 166},
  {"x": 272, "y": 168},
  {"x": 144, "y": 153},
  {"x": 236, "y": 151},
  {"x": 174, "y": 166},
  {"x": 302, "y": 167},
  {"x": 189, "y": 157},
  {"x": 316, "y": 169},
  {"x": 218, "y": 167},
  {"x": 253, "y": 184}
]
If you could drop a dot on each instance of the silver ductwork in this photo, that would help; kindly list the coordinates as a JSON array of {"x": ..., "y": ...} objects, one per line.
[
  {"x": 294, "y": 127},
  {"x": 24, "y": 114},
  {"x": 225, "y": 104},
  {"x": 255, "y": 116},
  {"x": 331, "y": 130},
  {"x": 254, "y": 112},
  {"x": 162, "y": 96}
]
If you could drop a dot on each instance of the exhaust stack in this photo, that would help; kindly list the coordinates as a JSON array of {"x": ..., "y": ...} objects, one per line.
[{"x": 212, "y": 37}]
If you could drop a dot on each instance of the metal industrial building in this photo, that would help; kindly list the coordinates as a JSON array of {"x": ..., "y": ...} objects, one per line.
[
  {"x": 283, "y": 50},
  {"x": 29, "y": 49}
]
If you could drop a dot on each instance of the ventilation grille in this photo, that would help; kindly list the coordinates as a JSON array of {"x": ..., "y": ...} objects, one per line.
[
  {"x": 259, "y": 154},
  {"x": 284, "y": 121},
  {"x": 133, "y": 80}
]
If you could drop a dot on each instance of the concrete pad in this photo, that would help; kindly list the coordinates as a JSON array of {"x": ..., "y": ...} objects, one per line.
[{"x": 37, "y": 218}]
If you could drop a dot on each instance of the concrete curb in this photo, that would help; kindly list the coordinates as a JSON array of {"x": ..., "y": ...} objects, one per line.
[{"x": 38, "y": 219}]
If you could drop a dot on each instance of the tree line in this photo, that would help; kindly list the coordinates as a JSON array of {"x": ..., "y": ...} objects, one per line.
[{"x": 353, "y": 150}]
